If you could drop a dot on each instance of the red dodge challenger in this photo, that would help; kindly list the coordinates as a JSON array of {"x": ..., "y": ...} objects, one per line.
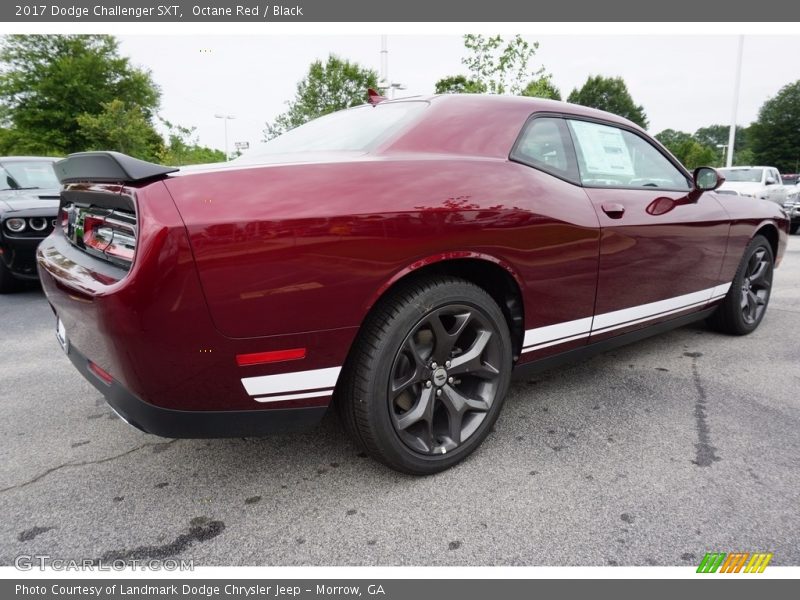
[{"x": 398, "y": 260}]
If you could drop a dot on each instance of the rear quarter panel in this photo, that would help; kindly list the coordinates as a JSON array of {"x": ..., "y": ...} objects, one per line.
[{"x": 286, "y": 249}]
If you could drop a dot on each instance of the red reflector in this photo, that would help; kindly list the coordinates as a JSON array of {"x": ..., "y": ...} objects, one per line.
[
  {"x": 260, "y": 358},
  {"x": 104, "y": 376}
]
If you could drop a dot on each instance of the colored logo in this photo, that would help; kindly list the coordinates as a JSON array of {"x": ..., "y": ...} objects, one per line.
[{"x": 734, "y": 562}]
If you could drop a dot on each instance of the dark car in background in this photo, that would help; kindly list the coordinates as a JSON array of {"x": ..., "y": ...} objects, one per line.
[{"x": 29, "y": 196}]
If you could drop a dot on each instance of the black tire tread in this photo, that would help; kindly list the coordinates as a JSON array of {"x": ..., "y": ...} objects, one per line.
[
  {"x": 354, "y": 381},
  {"x": 725, "y": 319}
]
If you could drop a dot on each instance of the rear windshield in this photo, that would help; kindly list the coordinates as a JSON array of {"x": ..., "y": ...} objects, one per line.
[{"x": 354, "y": 129}]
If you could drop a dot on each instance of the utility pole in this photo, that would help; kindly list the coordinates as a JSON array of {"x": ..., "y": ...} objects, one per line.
[
  {"x": 225, "y": 119},
  {"x": 736, "y": 86}
]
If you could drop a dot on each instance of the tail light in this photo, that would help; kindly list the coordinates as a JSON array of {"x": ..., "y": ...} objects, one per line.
[{"x": 103, "y": 233}]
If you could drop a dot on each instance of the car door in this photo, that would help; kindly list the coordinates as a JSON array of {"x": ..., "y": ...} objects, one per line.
[
  {"x": 773, "y": 185},
  {"x": 660, "y": 255}
]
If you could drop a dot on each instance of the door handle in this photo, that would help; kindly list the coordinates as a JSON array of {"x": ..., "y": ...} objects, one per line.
[{"x": 613, "y": 209}]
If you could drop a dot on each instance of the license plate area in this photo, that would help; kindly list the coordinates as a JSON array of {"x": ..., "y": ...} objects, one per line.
[{"x": 61, "y": 335}]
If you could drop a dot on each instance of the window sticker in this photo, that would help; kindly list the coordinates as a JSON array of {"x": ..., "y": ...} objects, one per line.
[{"x": 604, "y": 149}]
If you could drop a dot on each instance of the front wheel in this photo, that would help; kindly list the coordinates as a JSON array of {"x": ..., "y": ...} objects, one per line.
[
  {"x": 427, "y": 376},
  {"x": 746, "y": 302}
]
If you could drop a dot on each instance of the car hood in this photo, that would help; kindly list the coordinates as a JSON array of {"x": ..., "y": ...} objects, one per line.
[
  {"x": 14, "y": 200},
  {"x": 747, "y": 187}
]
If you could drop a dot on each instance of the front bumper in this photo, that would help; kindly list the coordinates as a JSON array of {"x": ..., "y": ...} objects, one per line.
[
  {"x": 171, "y": 423},
  {"x": 19, "y": 256}
]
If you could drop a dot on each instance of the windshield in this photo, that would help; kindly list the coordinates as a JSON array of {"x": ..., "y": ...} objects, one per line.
[
  {"x": 354, "y": 129},
  {"x": 27, "y": 174},
  {"x": 749, "y": 175}
]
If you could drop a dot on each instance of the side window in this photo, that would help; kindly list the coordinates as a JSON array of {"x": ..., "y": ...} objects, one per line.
[
  {"x": 545, "y": 144},
  {"x": 613, "y": 157}
]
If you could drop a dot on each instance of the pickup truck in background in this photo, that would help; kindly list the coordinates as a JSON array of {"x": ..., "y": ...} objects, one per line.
[
  {"x": 765, "y": 183},
  {"x": 792, "y": 203}
]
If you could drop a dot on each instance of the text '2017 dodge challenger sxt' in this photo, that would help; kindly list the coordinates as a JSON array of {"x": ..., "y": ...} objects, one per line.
[{"x": 399, "y": 260}]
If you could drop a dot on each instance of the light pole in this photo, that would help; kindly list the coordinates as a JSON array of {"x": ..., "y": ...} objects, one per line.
[
  {"x": 724, "y": 151},
  {"x": 736, "y": 85},
  {"x": 225, "y": 119}
]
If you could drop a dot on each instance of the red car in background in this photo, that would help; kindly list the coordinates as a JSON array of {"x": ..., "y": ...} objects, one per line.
[{"x": 400, "y": 259}]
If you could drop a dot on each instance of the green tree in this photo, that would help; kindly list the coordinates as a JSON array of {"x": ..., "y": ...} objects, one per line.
[
  {"x": 122, "y": 128},
  {"x": 543, "y": 87},
  {"x": 775, "y": 136},
  {"x": 693, "y": 154},
  {"x": 497, "y": 66},
  {"x": 672, "y": 139},
  {"x": 609, "y": 94},
  {"x": 459, "y": 84},
  {"x": 502, "y": 67},
  {"x": 182, "y": 148},
  {"x": 714, "y": 135},
  {"x": 327, "y": 87},
  {"x": 48, "y": 81}
]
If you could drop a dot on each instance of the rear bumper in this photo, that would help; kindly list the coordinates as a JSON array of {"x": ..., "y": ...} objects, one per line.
[{"x": 171, "y": 423}]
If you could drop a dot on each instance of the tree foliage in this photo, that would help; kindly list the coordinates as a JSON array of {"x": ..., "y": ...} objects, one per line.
[
  {"x": 183, "y": 149},
  {"x": 497, "y": 66},
  {"x": 49, "y": 83},
  {"x": 459, "y": 84},
  {"x": 122, "y": 128},
  {"x": 327, "y": 87},
  {"x": 543, "y": 87},
  {"x": 609, "y": 94},
  {"x": 775, "y": 136}
]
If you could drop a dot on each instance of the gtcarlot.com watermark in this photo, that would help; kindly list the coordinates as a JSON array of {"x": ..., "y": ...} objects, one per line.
[{"x": 29, "y": 562}]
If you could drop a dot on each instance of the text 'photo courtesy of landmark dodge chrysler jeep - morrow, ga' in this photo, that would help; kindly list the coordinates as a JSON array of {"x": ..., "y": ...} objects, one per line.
[{"x": 396, "y": 260}]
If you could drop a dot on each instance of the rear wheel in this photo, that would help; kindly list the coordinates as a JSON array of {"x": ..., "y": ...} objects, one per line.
[
  {"x": 746, "y": 302},
  {"x": 428, "y": 375}
]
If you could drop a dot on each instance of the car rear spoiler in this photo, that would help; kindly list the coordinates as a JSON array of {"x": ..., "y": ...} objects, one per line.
[{"x": 107, "y": 167}]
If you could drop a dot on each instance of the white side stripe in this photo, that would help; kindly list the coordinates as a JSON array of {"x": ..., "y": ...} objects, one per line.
[
  {"x": 534, "y": 337},
  {"x": 282, "y": 397},
  {"x": 560, "y": 333},
  {"x": 720, "y": 291},
  {"x": 651, "y": 309},
  {"x": 648, "y": 318},
  {"x": 291, "y": 382}
]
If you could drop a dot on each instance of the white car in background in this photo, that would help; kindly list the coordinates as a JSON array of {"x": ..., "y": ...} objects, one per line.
[{"x": 757, "y": 182}]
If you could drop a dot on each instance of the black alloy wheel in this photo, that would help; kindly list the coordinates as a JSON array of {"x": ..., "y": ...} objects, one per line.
[
  {"x": 427, "y": 376},
  {"x": 745, "y": 304},
  {"x": 444, "y": 379},
  {"x": 756, "y": 285}
]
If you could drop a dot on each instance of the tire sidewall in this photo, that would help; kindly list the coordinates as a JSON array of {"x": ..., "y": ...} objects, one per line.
[
  {"x": 733, "y": 299},
  {"x": 410, "y": 314}
]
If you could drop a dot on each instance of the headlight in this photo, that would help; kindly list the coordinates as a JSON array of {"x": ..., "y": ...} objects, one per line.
[
  {"x": 15, "y": 224},
  {"x": 38, "y": 223}
]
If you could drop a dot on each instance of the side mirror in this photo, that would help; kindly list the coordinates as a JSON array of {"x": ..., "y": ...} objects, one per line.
[
  {"x": 707, "y": 179},
  {"x": 770, "y": 181}
]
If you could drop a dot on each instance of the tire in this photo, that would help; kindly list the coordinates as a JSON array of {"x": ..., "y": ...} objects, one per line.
[
  {"x": 8, "y": 283},
  {"x": 745, "y": 304},
  {"x": 793, "y": 228},
  {"x": 398, "y": 400}
]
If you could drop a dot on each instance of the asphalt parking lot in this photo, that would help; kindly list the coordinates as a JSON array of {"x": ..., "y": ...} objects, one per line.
[{"x": 651, "y": 455}]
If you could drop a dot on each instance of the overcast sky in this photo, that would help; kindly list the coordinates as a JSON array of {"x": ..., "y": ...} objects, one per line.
[{"x": 683, "y": 82}]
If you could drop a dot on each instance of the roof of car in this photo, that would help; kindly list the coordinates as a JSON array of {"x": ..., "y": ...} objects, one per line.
[{"x": 532, "y": 104}]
